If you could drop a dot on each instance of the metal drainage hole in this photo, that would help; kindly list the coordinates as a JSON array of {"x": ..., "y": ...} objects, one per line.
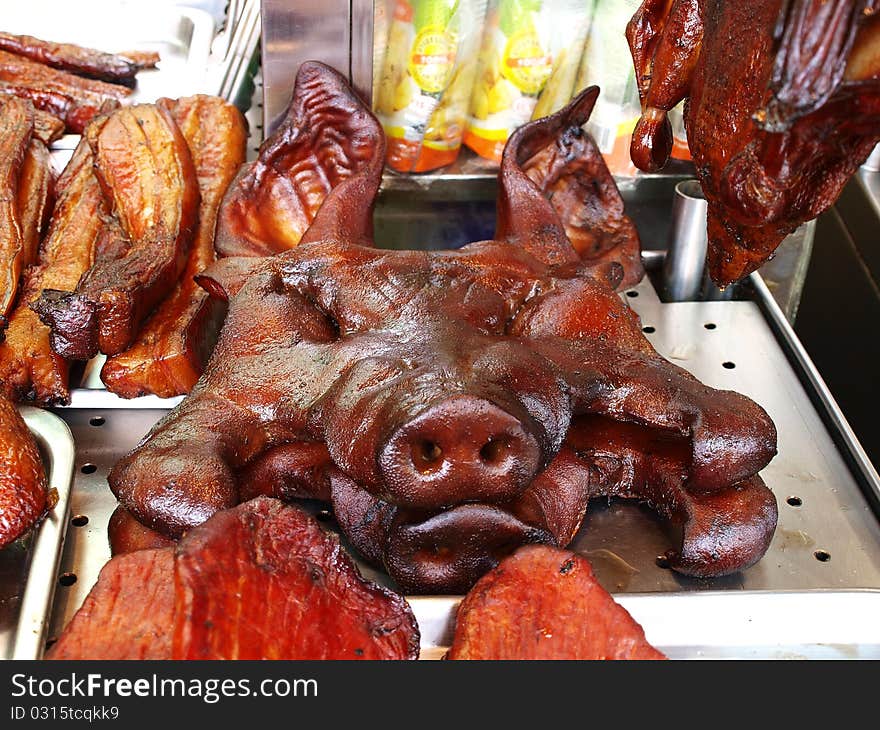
[
  {"x": 97, "y": 421},
  {"x": 823, "y": 556},
  {"x": 88, "y": 469},
  {"x": 795, "y": 501},
  {"x": 729, "y": 365},
  {"x": 67, "y": 579},
  {"x": 79, "y": 521},
  {"x": 662, "y": 562},
  {"x": 710, "y": 325},
  {"x": 649, "y": 330},
  {"x": 632, "y": 294}
]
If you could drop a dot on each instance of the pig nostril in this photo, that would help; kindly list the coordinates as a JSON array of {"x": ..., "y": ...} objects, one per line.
[
  {"x": 426, "y": 456},
  {"x": 494, "y": 451}
]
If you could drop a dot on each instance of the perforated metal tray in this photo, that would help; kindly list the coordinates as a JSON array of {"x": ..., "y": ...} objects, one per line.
[{"x": 29, "y": 566}]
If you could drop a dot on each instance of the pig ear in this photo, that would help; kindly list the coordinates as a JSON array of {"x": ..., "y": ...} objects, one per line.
[
  {"x": 559, "y": 200},
  {"x": 224, "y": 278},
  {"x": 315, "y": 178}
]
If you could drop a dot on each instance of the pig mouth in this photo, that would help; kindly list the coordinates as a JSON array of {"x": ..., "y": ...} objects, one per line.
[{"x": 449, "y": 551}]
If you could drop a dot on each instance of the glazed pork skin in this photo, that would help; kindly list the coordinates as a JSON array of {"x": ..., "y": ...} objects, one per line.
[
  {"x": 23, "y": 485},
  {"x": 261, "y": 581}
]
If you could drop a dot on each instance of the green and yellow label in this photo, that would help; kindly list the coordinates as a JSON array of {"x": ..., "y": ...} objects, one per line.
[
  {"x": 432, "y": 58},
  {"x": 525, "y": 62}
]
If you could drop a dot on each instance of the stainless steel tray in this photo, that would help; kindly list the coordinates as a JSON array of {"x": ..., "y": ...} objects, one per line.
[
  {"x": 819, "y": 624},
  {"x": 822, "y": 568},
  {"x": 29, "y": 567}
]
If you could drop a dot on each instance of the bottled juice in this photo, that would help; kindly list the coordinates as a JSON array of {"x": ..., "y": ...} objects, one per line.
[
  {"x": 426, "y": 80},
  {"x": 527, "y": 66}
]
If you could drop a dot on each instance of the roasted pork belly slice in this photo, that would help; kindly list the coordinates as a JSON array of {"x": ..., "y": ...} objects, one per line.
[
  {"x": 29, "y": 369},
  {"x": 265, "y": 581},
  {"x": 16, "y": 128},
  {"x": 76, "y": 59},
  {"x": 72, "y": 98},
  {"x": 145, "y": 170},
  {"x": 173, "y": 346},
  {"x": 545, "y": 603}
]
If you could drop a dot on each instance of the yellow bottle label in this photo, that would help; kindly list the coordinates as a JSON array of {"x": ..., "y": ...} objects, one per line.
[
  {"x": 432, "y": 58},
  {"x": 525, "y": 63}
]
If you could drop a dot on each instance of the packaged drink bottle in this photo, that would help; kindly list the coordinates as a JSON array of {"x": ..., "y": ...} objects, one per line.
[
  {"x": 527, "y": 66},
  {"x": 427, "y": 74}
]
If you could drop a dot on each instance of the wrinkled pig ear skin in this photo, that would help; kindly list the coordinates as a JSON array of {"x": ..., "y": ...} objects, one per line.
[
  {"x": 315, "y": 178},
  {"x": 558, "y": 200},
  {"x": 665, "y": 38}
]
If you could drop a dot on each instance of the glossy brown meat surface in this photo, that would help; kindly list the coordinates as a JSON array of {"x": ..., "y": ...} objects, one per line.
[
  {"x": 172, "y": 348},
  {"x": 565, "y": 164},
  {"x": 127, "y": 614},
  {"x": 264, "y": 581},
  {"x": 70, "y": 57},
  {"x": 72, "y": 98},
  {"x": 47, "y": 127},
  {"x": 35, "y": 190},
  {"x": 126, "y": 534},
  {"x": 443, "y": 386},
  {"x": 23, "y": 485},
  {"x": 324, "y": 145},
  {"x": 146, "y": 173},
  {"x": 29, "y": 368},
  {"x": 16, "y": 128},
  {"x": 261, "y": 581},
  {"x": 544, "y": 603},
  {"x": 783, "y": 107}
]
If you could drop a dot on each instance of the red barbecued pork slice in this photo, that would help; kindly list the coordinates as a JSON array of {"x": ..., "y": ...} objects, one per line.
[
  {"x": 265, "y": 581},
  {"x": 260, "y": 581},
  {"x": 545, "y": 603},
  {"x": 128, "y": 612}
]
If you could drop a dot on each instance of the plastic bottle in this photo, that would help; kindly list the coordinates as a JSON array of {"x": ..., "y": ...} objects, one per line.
[{"x": 426, "y": 81}]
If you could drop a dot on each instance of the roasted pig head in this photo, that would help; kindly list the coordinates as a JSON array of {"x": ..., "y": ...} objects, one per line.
[
  {"x": 430, "y": 395},
  {"x": 783, "y": 106}
]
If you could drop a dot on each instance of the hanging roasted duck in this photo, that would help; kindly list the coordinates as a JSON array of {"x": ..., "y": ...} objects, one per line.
[
  {"x": 783, "y": 106},
  {"x": 451, "y": 405}
]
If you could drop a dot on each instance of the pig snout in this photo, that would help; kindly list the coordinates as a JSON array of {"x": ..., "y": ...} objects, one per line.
[{"x": 461, "y": 449}]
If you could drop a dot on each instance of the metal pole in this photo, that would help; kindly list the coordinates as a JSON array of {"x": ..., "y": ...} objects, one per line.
[{"x": 686, "y": 251}]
